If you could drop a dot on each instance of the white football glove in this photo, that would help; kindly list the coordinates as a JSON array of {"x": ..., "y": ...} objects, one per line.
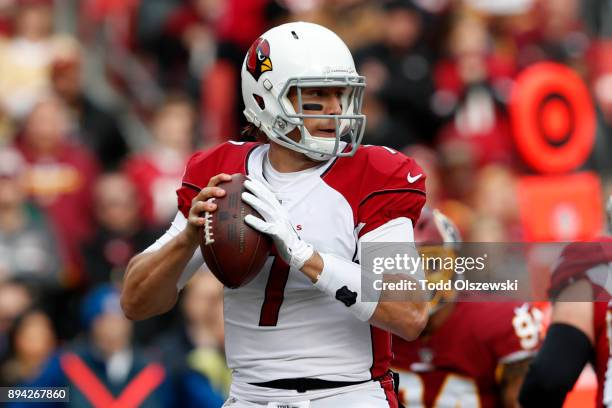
[{"x": 275, "y": 223}]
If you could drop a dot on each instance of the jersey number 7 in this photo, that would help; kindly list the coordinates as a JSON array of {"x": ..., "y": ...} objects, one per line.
[{"x": 275, "y": 292}]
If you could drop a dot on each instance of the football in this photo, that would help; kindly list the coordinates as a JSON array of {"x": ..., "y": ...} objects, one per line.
[{"x": 233, "y": 251}]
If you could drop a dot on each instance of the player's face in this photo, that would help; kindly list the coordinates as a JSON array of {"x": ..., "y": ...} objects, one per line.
[{"x": 319, "y": 101}]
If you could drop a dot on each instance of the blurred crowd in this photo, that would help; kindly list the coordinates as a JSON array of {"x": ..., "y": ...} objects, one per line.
[{"x": 103, "y": 101}]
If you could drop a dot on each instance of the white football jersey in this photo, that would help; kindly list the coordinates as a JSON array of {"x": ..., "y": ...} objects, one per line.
[{"x": 279, "y": 325}]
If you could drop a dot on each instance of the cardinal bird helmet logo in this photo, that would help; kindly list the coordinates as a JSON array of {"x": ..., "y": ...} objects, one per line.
[{"x": 258, "y": 60}]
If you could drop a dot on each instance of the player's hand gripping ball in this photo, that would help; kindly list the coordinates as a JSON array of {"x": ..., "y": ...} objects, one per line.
[{"x": 232, "y": 250}]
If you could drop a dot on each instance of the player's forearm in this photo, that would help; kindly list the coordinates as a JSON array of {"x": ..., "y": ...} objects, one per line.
[
  {"x": 340, "y": 278},
  {"x": 403, "y": 312},
  {"x": 406, "y": 319},
  {"x": 150, "y": 283},
  {"x": 313, "y": 267},
  {"x": 513, "y": 375}
]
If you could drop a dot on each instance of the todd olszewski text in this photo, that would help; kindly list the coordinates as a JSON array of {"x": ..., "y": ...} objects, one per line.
[{"x": 458, "y": 284}]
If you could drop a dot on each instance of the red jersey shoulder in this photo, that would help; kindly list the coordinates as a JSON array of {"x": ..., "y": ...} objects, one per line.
[
  {"x": 229, "y": 157},
  {"x": 391, "y": 185},
  {"x": 376, "y": 168},
  {"x": 575, "y": 262},
  {"x": 511, "y": 330},
  {"x": 380, "y": 184},
  {"x": 385, "y": 169}
]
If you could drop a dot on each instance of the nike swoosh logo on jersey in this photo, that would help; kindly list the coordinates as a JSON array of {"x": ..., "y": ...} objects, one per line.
[{"x": 412, "y": 179}]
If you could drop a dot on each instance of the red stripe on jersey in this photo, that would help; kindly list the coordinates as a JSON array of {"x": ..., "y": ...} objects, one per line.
[
  {"x": 192, "y": 186},
  {"x": 275, "y": 293},
  {"x": 387, "y": 386},
  {"x": 391, "y": 191},
  {"x": 381, "y": 206},
  {"x": 381, "y": 351}
]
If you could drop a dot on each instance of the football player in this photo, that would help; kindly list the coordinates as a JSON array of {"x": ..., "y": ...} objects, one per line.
[
  {"x": 581, "y": 324},
  {"x": 300, "y": 334},
  {"x": 470, "y": 354}
]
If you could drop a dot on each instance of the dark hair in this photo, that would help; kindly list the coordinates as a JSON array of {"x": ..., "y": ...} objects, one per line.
[
  {"x": 251, "y": 133},
  {"x": 18, "y": 323}
]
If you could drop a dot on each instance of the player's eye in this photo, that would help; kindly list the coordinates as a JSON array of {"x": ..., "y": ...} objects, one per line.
[{"x": 314, "y": 93}]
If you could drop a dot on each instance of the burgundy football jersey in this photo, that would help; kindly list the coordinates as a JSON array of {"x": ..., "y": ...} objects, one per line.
[{"x": 461, "y": 363}]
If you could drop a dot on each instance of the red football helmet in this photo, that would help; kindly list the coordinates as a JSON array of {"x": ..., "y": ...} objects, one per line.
[
  {"x": 437, "y": 237},
  {"x": 435, "y": 228}
]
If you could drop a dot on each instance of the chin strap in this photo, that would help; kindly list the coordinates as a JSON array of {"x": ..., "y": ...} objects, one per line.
[{"x": 325, "y": 146}]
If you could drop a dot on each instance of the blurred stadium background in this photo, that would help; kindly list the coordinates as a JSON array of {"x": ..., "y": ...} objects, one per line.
[{"x": 507, "y": 104}]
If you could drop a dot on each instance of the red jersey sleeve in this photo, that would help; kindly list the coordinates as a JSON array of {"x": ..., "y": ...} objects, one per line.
[
  {"x": 576, "y": 260},
  {"x": 230, "y": 158},
  {"x": 393, "y": 186}
]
